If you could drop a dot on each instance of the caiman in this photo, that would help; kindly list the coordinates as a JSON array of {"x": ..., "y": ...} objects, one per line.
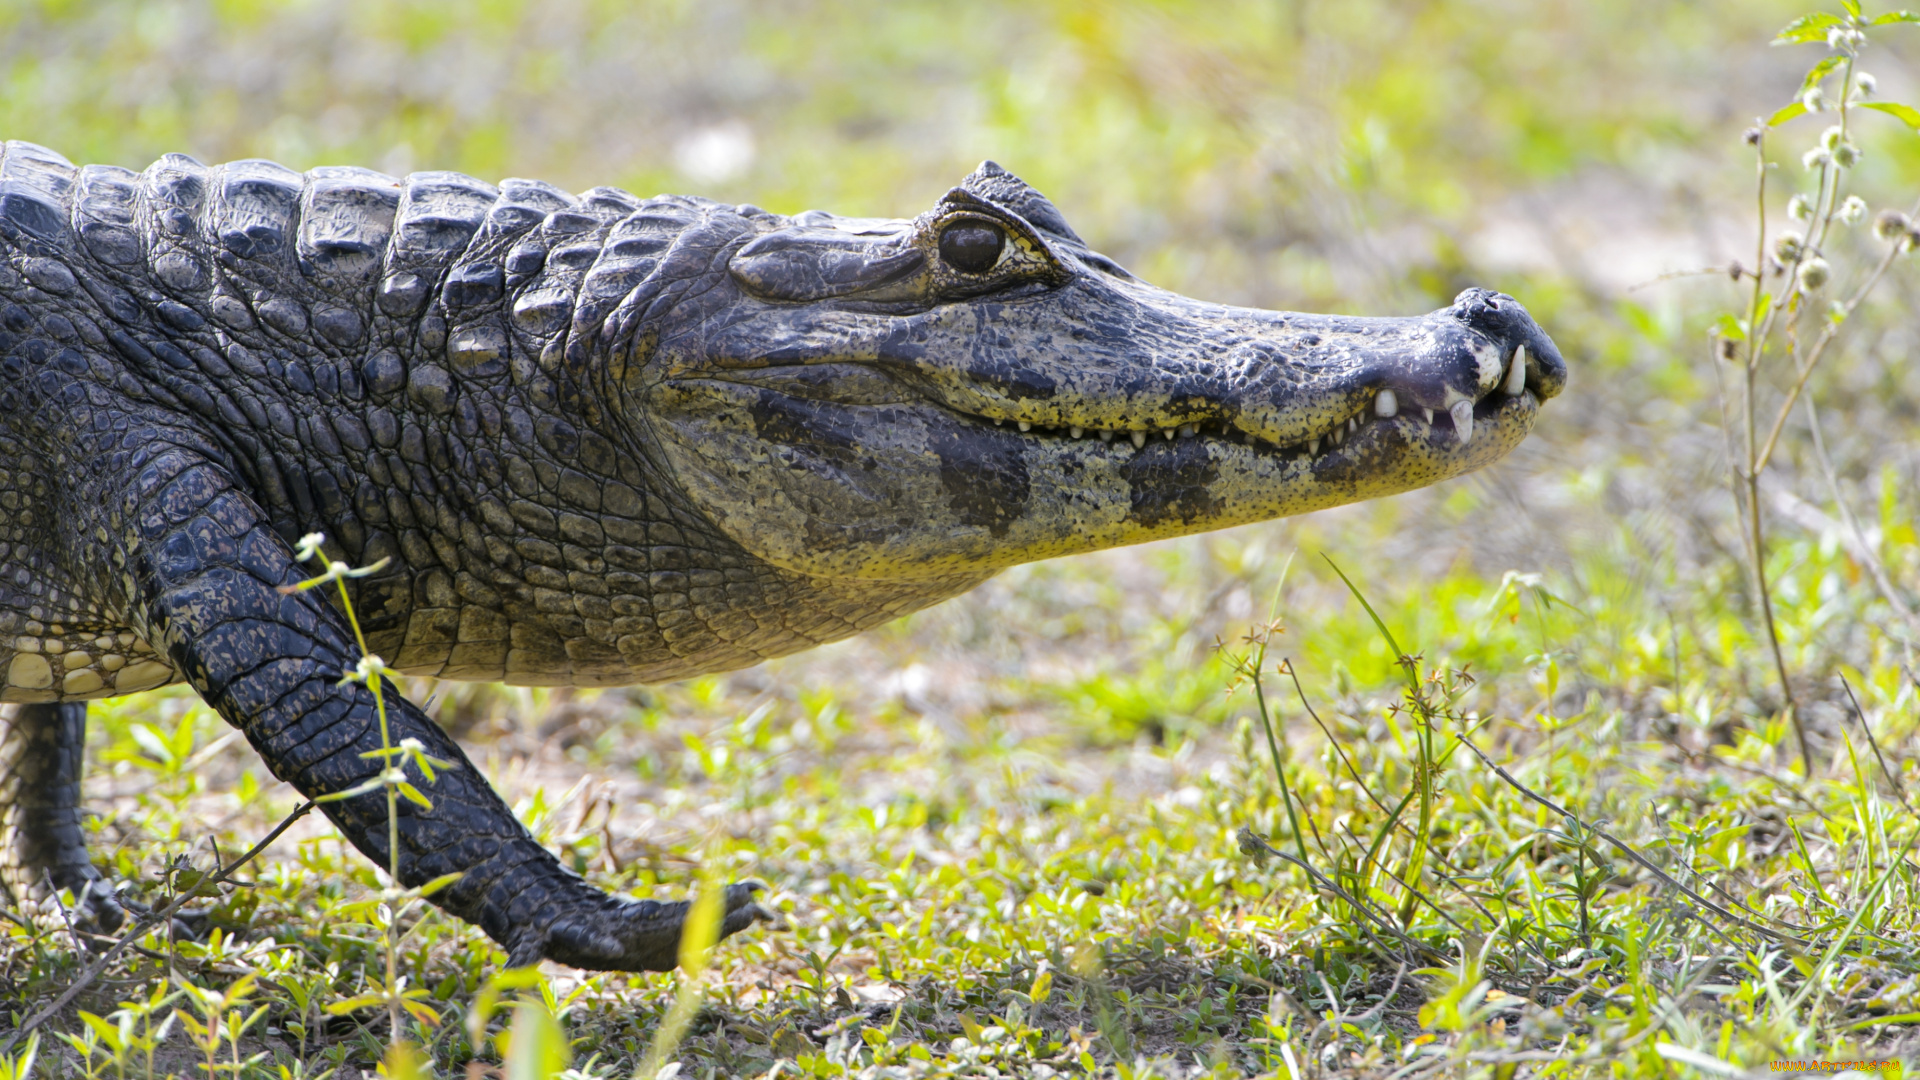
[{"x": 596, "y": 440}]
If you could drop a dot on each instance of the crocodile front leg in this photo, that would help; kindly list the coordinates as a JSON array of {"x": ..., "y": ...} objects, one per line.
[
  {"x": 42, "y": 848},
  {"x": 209, "y": 569}
]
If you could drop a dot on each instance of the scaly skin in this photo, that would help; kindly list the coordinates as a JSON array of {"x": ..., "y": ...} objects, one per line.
[{"x": 603, "y": 441}]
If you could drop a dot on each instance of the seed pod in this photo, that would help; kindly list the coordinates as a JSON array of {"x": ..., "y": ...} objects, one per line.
[
  {"x": 1890, "y": 226},
  {"x": 1814, "y": 274}
]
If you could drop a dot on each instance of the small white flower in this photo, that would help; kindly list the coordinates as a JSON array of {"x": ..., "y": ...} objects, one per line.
[
  {"x": 1853, "y": 211},
  {"x": 1815, "y": 158},
  {"x": 1787, "y": 248},
  {"x": 1815, "y": 99},
  {"x": 1814, "y": 274},
  {"x": 309, "y": 546},
  {"x": 1864, "y": 85},
  {"x": 1800, "y": 208}
]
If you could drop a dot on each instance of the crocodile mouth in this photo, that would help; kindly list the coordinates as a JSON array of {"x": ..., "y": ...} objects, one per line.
[
  {"x": 1367, "y": 438},
  {"x": 1378, "y": 418},
  {"x": 1442, "y": 431}
]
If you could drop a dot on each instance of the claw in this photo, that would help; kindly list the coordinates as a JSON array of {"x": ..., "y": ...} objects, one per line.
[
  {"x": 743, "y": 911},
  {"x": 621, "y": 934},
  {"x": 757, "y": 913},
  {"x": 97, "y": 905}
]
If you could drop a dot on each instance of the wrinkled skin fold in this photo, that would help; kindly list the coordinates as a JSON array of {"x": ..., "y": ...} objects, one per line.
[{"x": 603, "y": 440}]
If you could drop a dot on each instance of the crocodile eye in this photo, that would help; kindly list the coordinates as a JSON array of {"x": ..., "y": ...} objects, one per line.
[{"x": 972, "y": 247}]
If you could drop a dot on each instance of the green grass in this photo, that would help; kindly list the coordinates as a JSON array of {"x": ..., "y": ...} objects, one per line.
[
  {"x": 1022, "y": 831},
  {"x": 991, "y": 886}
]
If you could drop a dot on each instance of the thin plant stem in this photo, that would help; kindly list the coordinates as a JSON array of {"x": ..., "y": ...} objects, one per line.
[
  {"x": 1893, "y": 778},
  {"x": 1625, "y": 849},
  {"x": 376, "y": 684},
  {"x": 1804, "y": 370},
  {"x": 1273, "y": 746},
  {"x": 1754, "y": 539},
  {"x": 1876, "y": 568},
  {"x": 392, "y": 778}
]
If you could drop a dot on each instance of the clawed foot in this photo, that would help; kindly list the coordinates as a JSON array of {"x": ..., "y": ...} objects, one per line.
[
  {"x": 90, "y": 907},
  {"x": 97, "y": 907},
  {"x": 97, "y": 911},
  {"x": 631, "y": 935}
]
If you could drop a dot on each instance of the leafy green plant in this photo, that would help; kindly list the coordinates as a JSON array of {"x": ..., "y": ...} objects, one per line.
[{"x": 223, "y": 1019}]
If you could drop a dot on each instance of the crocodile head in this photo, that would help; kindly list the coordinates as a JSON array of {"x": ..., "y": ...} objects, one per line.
[{"x": 940, "y": 398}]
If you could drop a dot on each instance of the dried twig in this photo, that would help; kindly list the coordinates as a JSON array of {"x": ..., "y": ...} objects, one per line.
[{"x": 145, "y": 923}]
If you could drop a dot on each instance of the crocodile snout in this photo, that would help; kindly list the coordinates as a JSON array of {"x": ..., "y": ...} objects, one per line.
[{"x": 1505, "y": 324}]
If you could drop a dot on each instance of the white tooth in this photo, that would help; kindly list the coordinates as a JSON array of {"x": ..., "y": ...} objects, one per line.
[
  {"x": 1106, "y": 436},
  {"x": 1313, "y": 445},
  {"x": 1187, "y": 431},
  {"x": 1428, "y": 413},
  {"x": 1139, "y": 439},
  {"x": 1386, "y": 404},
  {"x": 1516, "y": 383},
  {"x": 997, "y": 423},
  {"x": 1024, "y": 426},
  {"x": 1168, "y": 432},
  {"x": 1353, "y": 424},
  {"x": 1075, "y": 432},
  {"x": 1462, "y": 413}
]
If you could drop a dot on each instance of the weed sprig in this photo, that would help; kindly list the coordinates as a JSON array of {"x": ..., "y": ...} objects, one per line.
[
  {"x": 1802, "y": 269},
  {"x": 394, "y": 903}
]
